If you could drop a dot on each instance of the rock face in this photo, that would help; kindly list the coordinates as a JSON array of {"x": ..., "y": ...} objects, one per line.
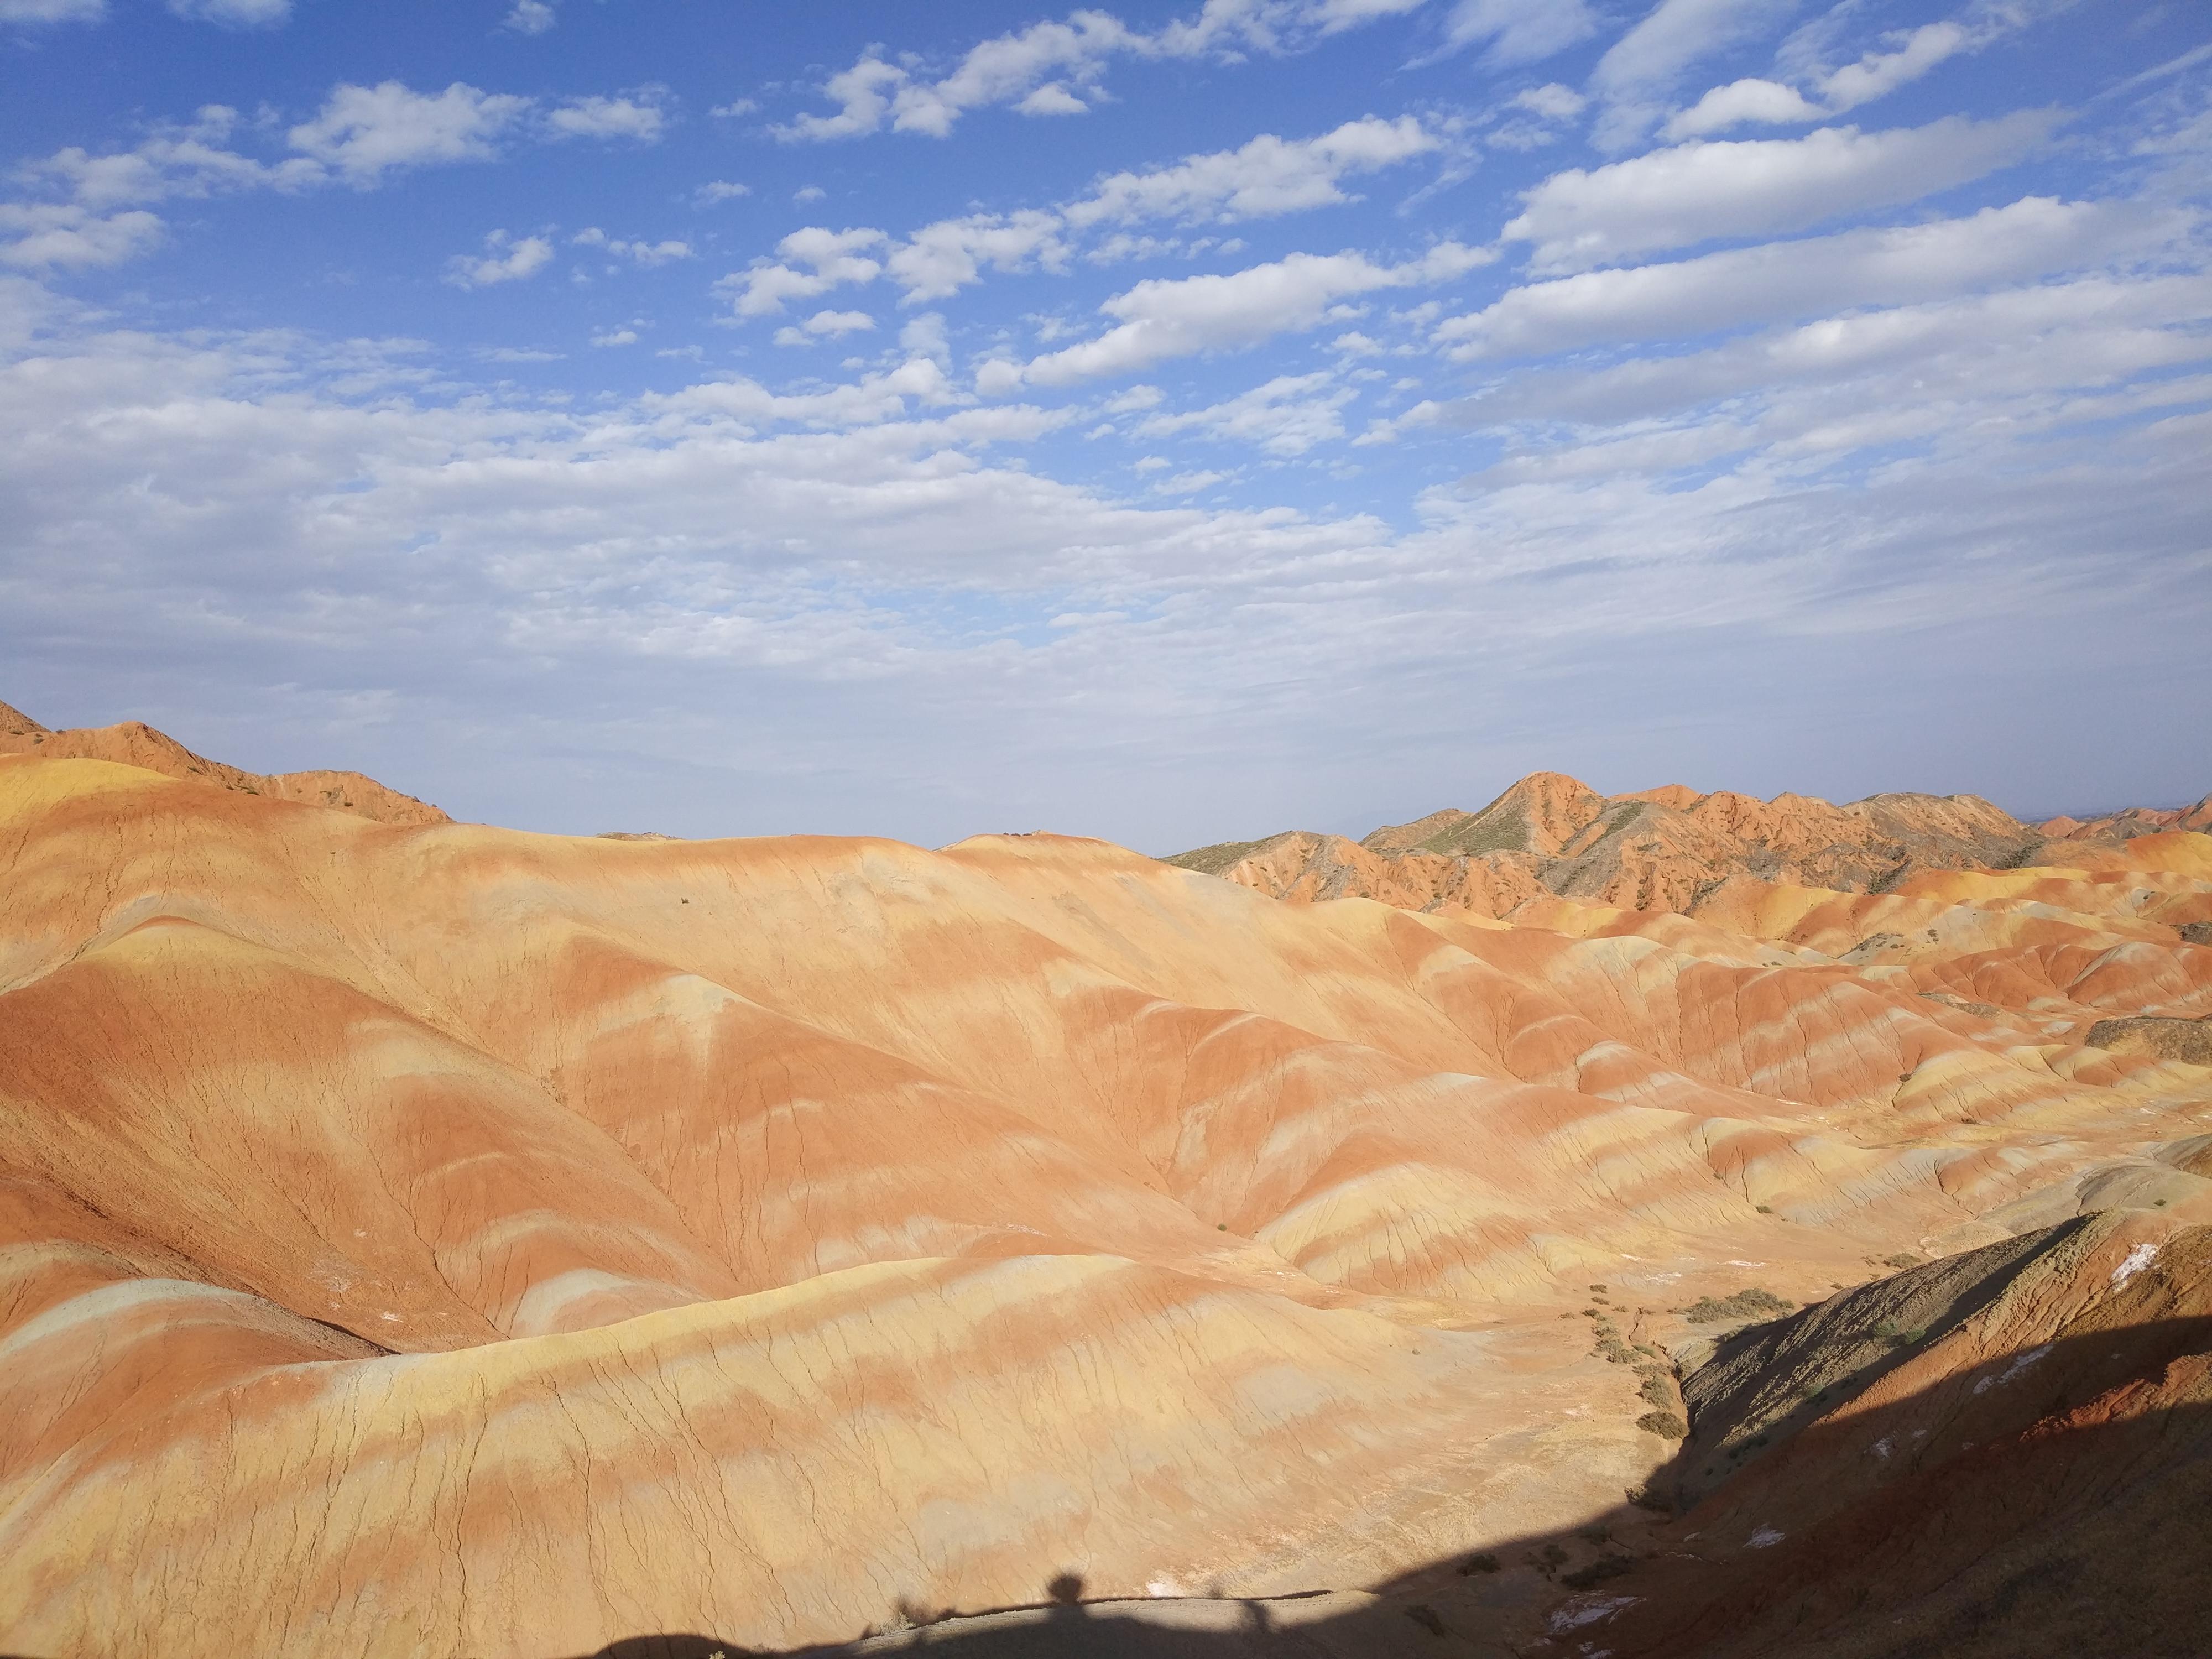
[
  {"x": 1658, "y": 849},
  {"x": 133, "y": 743},
  {"x": 424, "y": 1238}
]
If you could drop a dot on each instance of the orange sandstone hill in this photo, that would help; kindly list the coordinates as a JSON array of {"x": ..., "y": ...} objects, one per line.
[
  {"x": 420, "y": 1238},
  {"x": 1658, "y": 849},
  {"x": 133, "y": 743}
]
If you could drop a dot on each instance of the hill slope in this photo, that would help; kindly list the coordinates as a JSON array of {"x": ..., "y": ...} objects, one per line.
[
  {"x": 134, "y": 743},
  {"x": 434, "y": 1239}
]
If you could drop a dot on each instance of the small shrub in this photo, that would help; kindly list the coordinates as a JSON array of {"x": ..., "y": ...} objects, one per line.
[
  {"x": 1605, "y": 1567},
  {"x": 1645, "y": 1498},
  {"x": 1474, "y": 1564},
  {"x": 1744, "y": 1304},
  {"x": 1656, "y": 1393},
  {"x": 1553, "y": 1555},
  {"x": 1599, "y": 1288},
  {"x": 1426, "y": 1617},
  {"x": 1902, "y": 1260},
  {"x": 1597, "y": 1533},
  {"x": 1666, "y": 1424},
  {"x": 1764, "y": 1209}
]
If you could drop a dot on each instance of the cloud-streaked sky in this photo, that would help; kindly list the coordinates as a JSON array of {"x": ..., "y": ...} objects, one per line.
[{"x": 1171, "y": 423}]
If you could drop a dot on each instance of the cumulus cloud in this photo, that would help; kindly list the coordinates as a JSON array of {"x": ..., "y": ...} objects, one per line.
[
  {"x": 643, "y": 254},
  {"x": 1753, "y": 100},
  {"x": 46, "y": 236},
  {"x": 1699, "y": 191},
  {"x": 363, "y": 132},
  {"x": 52, "y": 11},
  {"x": 233, "y": 14},
  {"x": 1054, "y": 68},
  {"x": 830, "y": 258},
  {"x": 1287, "y": 416},
  {"x": 1818, "y": 89},
  {"x": 1643, "y": 66},
  {"x": 505, "y": 260},
  {"x": 643, "y": 115},
  {"x": 187, "y": 160},
  {"x": 835, "y": 325},
  {"x": 718, "y": 190},
  {"x": 1751, "y": 286},
  {"x": 1263, "y": 178},
  {"x": 1164, "y": 319},
  {"x": 532, "y": 17},
  {"x": 1517, "y": 31},
  {"x": 941, "y": 258}
]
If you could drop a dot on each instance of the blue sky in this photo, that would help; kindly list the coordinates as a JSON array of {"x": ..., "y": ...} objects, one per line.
[{"x": 1169, "y": 422}]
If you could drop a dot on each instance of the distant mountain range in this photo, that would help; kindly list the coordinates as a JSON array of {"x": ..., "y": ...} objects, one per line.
[{"x": 1669, "y": 849}]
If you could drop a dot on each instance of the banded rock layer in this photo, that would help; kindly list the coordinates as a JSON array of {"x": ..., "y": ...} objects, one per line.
[
  {"x": 1661, "y": 849},
  {"x": 424, "y": 1238}
]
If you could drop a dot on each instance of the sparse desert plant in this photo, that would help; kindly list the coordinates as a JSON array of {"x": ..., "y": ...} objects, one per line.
[
  {"x": 1744, "y": 1304},
  {"x": 1605, "y": 1567},
  {"x": 1426, "y": 1617},
  {"x": 1656, "y": 1392},
  {"x": 1902, "y": 1260},
  {"x": 1666, "y": 1424},
  {"x": 1484, "y": 1562}
]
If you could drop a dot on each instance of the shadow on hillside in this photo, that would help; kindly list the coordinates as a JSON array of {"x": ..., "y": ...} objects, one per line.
[{"x": 2077, "y": 1539}]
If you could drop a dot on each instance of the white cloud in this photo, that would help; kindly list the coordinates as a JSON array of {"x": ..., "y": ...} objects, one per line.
[
  {"x": 1288, "y": 416},
  {"x": 1699, "y": 191},
  {"x": 644, "y": 253},
  {"x": 1645, "y": 63},
  {"x": 1162, "y": 318},
  {"x": 1133, "y": 399},
  {"x": 831, "y": 258},
  {"x": 43, "y": 236},
  {"x": 505, "y": 260},
  {"x": 1051, "y": 68},
  {"x": 1263, "y": 178},
  {"x": 532, "y": 17},
  {"x": 363, "y": 132},
  {"x": 617, "y": 337},
  {"x": 52, "y": 11},
  {"x": 1767, "y": 102},
  {"x": 924, "y": 336},
  {"x": 809, "y": 193},
  {"x": 1552, "y": 101},
  {"x": 233, "y": 14},
  {"x": 1882, "y": 72},
  {"x": 1053, "y": 99},
  {"x": 641, "y": 115},
  {"x": 941, "y": 258},
  {"x": 1519, "y": 31},
  {"x": 175, "y": 160},
  {"x": 1885, "y": 504},
  {"x": 1876, "y": 73},
  {"x": 718, "y": 190},
  {"x": 1779, "y": 281},
  {"x": 830, "y": 324}
]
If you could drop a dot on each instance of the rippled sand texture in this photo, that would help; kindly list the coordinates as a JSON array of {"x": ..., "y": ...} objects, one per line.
[{"x": 427, "y": 1238}]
